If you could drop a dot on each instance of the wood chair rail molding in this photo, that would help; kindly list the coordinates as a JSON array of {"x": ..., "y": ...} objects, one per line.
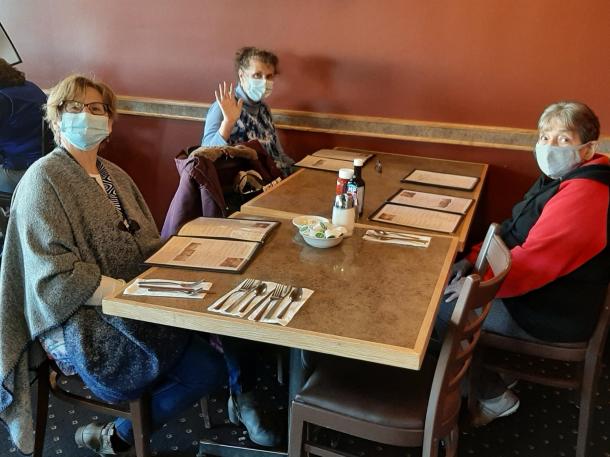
[{"x": 341, "y": 124}]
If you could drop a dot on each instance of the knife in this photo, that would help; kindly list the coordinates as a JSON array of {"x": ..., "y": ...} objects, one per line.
[{"x": 182, "y": 290}]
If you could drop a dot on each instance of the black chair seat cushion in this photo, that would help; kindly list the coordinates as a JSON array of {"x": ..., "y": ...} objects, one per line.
[{"x": 373, "y": 393}]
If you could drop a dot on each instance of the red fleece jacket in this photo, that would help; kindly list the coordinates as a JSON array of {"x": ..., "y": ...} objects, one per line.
[{"x": 571, "y": 231}]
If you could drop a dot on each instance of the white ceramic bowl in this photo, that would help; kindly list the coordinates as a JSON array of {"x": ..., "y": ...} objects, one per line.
[
  {"x": 322, "y": 242},
  {"x": 300, "y": 221}
]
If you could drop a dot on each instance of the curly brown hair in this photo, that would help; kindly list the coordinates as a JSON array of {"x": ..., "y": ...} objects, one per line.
[
  {"x": 245, "y": 54},
  {"x": 10, "y": 76}
]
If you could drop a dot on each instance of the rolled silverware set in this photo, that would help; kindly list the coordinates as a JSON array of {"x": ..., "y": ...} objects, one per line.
[
  {"x": 183, "y": 287},
  {"x": 402, "y": 237}
]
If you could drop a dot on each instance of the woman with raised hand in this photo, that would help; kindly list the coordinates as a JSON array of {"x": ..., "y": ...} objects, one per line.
[{"x": 239, "y": 113}]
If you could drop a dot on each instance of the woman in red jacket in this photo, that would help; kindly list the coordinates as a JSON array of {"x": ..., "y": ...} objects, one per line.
[{"x": 558, "y": 237}]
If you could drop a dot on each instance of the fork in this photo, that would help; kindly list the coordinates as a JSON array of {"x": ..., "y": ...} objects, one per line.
[
  {"x": 279, "y": 293},
  {"x": 260, "y": 306},
  {"x": 246, "y": 286}
]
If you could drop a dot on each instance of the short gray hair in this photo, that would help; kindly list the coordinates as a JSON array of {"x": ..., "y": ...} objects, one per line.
[{"x": 574, "y": 116}]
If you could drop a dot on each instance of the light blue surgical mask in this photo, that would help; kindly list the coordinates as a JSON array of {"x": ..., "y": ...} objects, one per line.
[
  {"x": 556, "y": 161},
  {"x": 84, "y": 130},
  {"x": 258, "y": 89}
]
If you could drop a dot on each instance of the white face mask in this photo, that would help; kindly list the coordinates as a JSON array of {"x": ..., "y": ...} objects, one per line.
[{"x": 556, "y": 161}]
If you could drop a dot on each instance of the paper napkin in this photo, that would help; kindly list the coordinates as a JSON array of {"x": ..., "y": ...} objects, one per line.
[
  {"x": 290, "y": 312},
  {"x": 136, "y": 289}
]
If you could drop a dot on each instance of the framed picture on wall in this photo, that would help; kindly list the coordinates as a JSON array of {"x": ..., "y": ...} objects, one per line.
[{"x": 8, "y": 51}]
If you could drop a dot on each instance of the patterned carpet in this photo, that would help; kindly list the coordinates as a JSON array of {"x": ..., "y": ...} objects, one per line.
[{"x": 544, "y": 426}]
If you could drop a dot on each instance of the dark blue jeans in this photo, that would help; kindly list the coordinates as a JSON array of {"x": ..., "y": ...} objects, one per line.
[
  {"x": 200, "y": 371},
  {"x": 241, "y": 357}
]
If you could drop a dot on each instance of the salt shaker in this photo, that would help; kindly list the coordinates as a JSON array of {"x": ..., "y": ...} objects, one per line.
[{"x": 344, "y": 213}]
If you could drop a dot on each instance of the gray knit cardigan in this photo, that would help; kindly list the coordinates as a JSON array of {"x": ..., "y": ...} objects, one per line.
[{"x": 62, "y": 236}]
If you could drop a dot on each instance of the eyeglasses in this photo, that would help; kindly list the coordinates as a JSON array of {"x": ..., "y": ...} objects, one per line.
[{"x": 74, "y": 106}]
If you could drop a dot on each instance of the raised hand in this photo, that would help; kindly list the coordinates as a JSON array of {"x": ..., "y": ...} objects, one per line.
[{"x": 229, "y": 105}]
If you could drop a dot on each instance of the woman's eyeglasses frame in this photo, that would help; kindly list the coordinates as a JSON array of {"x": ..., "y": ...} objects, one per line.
[{"x": 75, "y": 107}]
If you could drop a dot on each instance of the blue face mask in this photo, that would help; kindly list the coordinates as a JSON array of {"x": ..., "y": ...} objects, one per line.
[
  {"x": 258, "y": 89},
  {"x": 84, "y": 130}
]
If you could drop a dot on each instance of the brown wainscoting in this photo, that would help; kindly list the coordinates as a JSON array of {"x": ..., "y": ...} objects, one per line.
[{"x": 374, "y": 127}]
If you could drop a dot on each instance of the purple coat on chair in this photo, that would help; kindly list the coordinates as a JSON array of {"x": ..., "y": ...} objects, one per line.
[{"x": 200, "y": 191}]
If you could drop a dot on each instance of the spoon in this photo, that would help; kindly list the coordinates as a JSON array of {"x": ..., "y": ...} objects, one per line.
[
  {"x": 260, "y": 290},
  {"x": 295, "y": 295}
]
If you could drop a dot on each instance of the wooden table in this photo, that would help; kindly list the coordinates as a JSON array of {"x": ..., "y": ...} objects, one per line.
[
  {"x": 312, "y": 191},
  {"x": 373, "y": 301}
]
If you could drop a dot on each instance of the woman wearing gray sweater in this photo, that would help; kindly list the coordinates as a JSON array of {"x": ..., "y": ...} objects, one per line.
[{"x": 78, "y": 229}]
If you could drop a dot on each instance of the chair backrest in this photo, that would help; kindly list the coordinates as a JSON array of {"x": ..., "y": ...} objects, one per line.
[
  {"x": 471, "y": 309},
  {"x": 484, "y": 259},
  {"x": 47, "y": 142}
]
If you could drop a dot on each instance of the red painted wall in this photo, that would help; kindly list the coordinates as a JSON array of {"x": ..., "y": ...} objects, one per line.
[{"x": 471, "y": 61}]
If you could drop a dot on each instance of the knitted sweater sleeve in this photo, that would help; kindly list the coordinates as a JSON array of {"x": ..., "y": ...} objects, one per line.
[{"x": 571, "y": 230}]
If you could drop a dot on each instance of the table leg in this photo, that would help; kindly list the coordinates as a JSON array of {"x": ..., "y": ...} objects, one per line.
[{"x": 299, "y": 370}]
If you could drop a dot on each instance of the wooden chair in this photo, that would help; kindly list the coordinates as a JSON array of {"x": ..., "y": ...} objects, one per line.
[
  {"x": 137, "y": 411},
  {"x": 520, "y": 359},
  {"x": 396, "y": 406}
]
